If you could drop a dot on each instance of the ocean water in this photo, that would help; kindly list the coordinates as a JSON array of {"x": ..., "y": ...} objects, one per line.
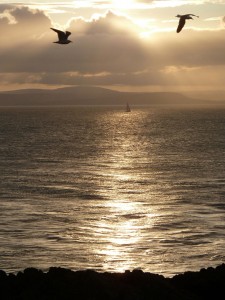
[{"x": 99, "y": 188}]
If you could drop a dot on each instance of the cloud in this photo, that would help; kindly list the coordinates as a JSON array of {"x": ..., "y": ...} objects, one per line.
[
  {"x": 106, "y": 44},
  {"x": 5, "y": 15},
  {"x": 108, "y": 50},
  {"x": 18, "y": 24}
]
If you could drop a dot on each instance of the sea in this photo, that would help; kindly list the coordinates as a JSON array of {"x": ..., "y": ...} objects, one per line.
[{"x": 96, "y": 187}]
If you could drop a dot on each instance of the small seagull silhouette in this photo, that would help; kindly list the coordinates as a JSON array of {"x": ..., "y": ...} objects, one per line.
[
  {"x": 183, "y": 19},
  {"x": 62, "y": 36}
]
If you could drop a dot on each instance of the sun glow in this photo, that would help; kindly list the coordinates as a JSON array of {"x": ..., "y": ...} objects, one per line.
[
  {"x": 125, "y": 4},
  {"x": 169, "y": 3}
]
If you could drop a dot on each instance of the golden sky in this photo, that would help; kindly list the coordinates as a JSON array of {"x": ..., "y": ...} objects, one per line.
[{"x": 121, "y": 44}]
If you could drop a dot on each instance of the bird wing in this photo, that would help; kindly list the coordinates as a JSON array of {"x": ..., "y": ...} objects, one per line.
[
  {"x": 193, "y": 15},
  {"x": 180, "y": 25},
  {"x": 61, "y": 34},
  {"x": 68, "y": 33}
]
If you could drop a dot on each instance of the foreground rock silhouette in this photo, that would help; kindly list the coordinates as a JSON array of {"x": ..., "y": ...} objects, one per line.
[{"x": 59, "y": 283}]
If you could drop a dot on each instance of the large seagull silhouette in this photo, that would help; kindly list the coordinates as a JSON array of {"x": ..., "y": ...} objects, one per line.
[
  {"x": 183, "y": 19},
  {"x": 62, "y": 36}
]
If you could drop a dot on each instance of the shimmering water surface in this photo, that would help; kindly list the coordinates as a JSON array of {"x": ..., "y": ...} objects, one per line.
[{"x": 99, "y": 188}]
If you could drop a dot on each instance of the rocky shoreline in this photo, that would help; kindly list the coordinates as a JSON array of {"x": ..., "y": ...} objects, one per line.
[{"x": 60, "y": 283}]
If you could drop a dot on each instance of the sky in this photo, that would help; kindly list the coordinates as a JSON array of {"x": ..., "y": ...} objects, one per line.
[{"x": 127, "y": 45}]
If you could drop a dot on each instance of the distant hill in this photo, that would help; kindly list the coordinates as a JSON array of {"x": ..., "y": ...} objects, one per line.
[
  {"x": 88, "y": 95},
  {"x": 216, "y": 95}
]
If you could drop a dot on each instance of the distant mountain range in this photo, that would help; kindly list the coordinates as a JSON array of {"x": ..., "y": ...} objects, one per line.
[{"x": 88, "y": 95}]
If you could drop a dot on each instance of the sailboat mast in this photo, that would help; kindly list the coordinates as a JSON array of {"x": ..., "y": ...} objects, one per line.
[{"x": 128, "y": 108}]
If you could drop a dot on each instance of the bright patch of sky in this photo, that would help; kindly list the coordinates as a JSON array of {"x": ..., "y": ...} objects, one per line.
[{"x": 61, "y": 11}]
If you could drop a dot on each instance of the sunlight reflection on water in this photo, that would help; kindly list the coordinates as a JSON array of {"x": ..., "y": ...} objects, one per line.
[
  {"x": 125, "y": 223},
  {"x": 108, "y": 190}
]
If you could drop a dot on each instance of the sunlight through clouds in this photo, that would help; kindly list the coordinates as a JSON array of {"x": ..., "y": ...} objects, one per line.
[
  {"x": 6, "y": 14},
  {"x": 115, "y": 43}
]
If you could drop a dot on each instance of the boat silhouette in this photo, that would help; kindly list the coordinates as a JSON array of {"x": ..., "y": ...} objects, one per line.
[{"x": 128, "y": 108}]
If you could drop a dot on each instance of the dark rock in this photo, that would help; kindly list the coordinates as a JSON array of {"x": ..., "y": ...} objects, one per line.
[
  {"x": 3, "y": 275},
  {"x": 60, "y": 283}
]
